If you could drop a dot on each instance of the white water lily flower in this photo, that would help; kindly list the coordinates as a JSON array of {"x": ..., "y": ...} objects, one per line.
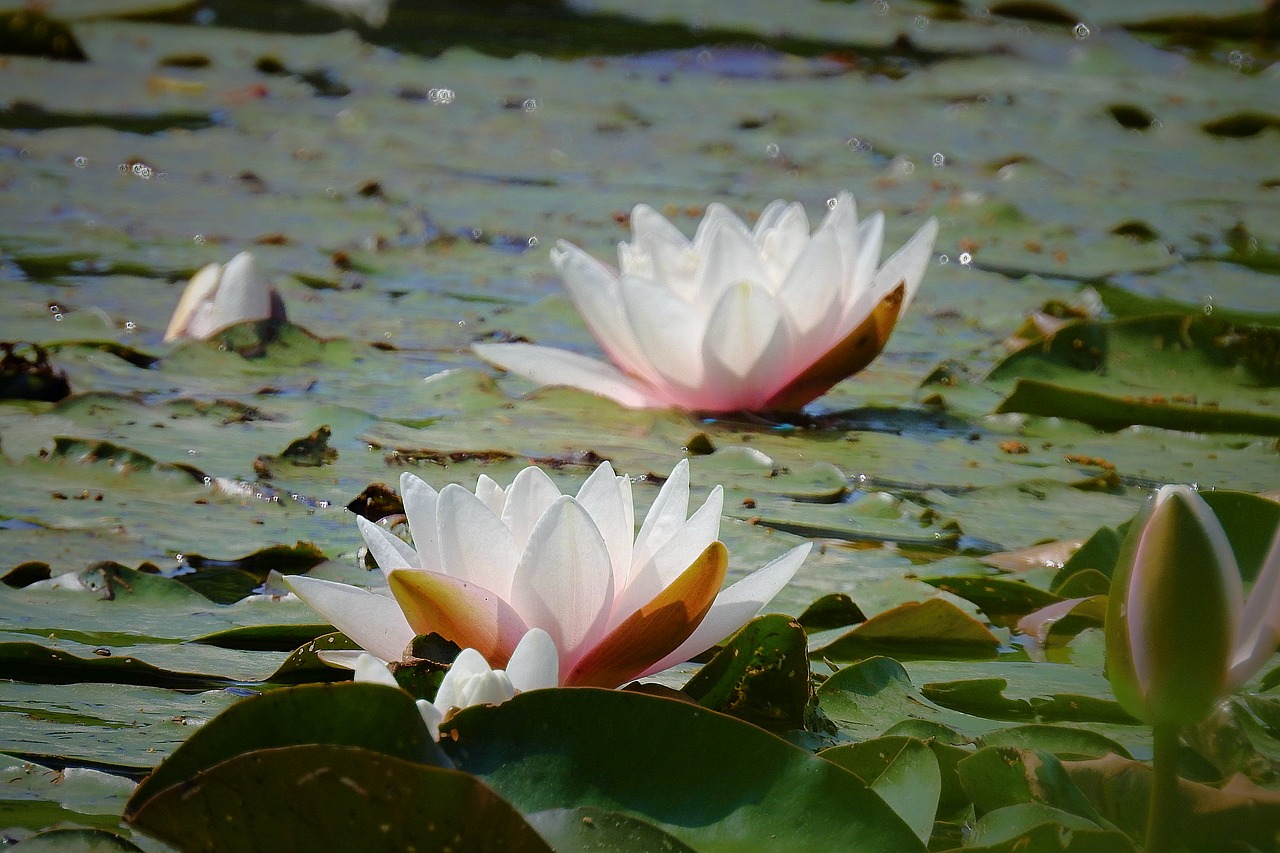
[
  {"x": 488, "y": 566},
  {"x": 471, "y": 681},
  {"x": 1180, "y": 632},
  {"x": 219, "y": 296},
  {"x": 762, "y": 319}
]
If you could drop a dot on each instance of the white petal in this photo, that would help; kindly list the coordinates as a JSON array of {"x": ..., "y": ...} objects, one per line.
[
  {"x": 602, "y": 499},
  {"x": 907, "y": 265},
  {"x": 736, "y": 606},
  {"x": 486, "y": 688},
  {"x": 769, "y": 218},
  {"x": 431, "y": 717},
  {"x": 746, "y": 352},
  {"x": 729, "y": 258},
  {"x": 373, "y": 670},
  {"x": 660, "y": 252},
  {"x": 666, "y": 515},
  {"x": 866, "y": 258},
  {"x": 667, "y": 330},
  {"x": 420, "y": 502},
  {"x": 812, "y": 294},
  {"x": 564, "y": 583},
  {"x": 593, "y": 289},
  {"x": 475, "y": 545},
  {"x": 528, "y": 497},
  {"x": 491, "y": 494},
  {"x": 197, "y": 294},
  {"x": 1260, "y": 622},
  {"x": 548, "y": 366},
  {"x": 535, "y": 663},
  {"x": 718, "y": 217},
  {"x": 389, "y": 551},
  {"x": 672, "y": 558},
  {"x": 468, "y": 664},
  {"x": 374, "y": 622},
  {"x": 842, "y": 221},
  {"x": 242, "y": 293},
  {"x": 782, "y": 243}
]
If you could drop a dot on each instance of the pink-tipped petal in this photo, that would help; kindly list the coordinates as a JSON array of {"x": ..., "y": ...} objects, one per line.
[
  {"x": 389, "y": 551},
  {"x": 548, "y": 366},
  {"x": 374, "y": 622},
  {"x": 564, "y": 583},
  {"x": 461, "y": 612},
  {"x": 535, "y": 663},
  {"x": 475, "y": 545},
  {"x": 736, "y": 606},
  {"x": 420, "y": 502}
]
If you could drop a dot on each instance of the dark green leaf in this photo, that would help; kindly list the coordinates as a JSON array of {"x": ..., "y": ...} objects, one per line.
[
  {"x": 323, "y": 796},
  {"x": 714, "y": 782},
  {"x": 592, "y": 830},
  {"x": 370, "y": 716}
]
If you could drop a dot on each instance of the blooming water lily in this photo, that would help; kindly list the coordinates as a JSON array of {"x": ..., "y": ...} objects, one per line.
[
  {"x": 762, "y": 319},
  {"x": 1180, "y": 632},
  {"x": 471, "y": 681},
  {"x": 486, "y": 567},
  {"x": 221, "y": 295}
]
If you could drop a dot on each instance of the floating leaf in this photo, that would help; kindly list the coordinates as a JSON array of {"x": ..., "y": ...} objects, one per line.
[
  {"x": 903, "y": 771},
  {"x": 594, "y": 829},
  {"x": 761, "y": 675},
  {"x": 934, "y": 626},
  {"x": 714, "y": 782}
]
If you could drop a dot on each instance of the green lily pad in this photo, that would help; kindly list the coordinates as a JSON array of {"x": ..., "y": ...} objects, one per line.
[
  {"x": 903, "y": 771},
  {"x": 917, "y": 628},
  {"x": 587, "y": 828},
  {"x": 749, "y": 785}
]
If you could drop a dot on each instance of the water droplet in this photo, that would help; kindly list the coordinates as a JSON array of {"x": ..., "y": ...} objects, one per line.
[
  {"x": 831, "y": 203},
  {"x": 1208, "y": 305},
  {"x": 331, "y": 192},
  {"x": 81, "y": 162},
  {"x": 982, "y": 12},
  {"x": 476, "y": 233},
  {"x": 531, "y": 104},
  {"x": 966, "y": 258},
  {"x": 57, "y": 317},
  {"x": 1082, "y": 32},
  {"x": 533, "y": 241},
  {"x": 129, "y": 326},
  {"x": 178, "y": 557},
  {"x": 881, "y": 7},
  {"x": 771, "y": 149},
  {"x": 387, "y": 335},
  {"x": 462, "y": 322},
  {"x": 199, "y": 238},
  {"x": 193, "y": 452},
  {"x": 939, "y": 159},
  {"x": 441, "y": 96},
  {"x": 922, "y": 22},
  {"x": 208, "y": 481},
  {"x": 54, "y": 308},
  {"x": 24, "y": 153},
  {"x": 943, "y": 259}
]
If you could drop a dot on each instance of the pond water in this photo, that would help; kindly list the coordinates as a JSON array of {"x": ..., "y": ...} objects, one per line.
[{"x": 1116, "y": 168}]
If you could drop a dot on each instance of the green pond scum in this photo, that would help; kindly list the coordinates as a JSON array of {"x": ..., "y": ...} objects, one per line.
[{"x": 1098, "y": 318}]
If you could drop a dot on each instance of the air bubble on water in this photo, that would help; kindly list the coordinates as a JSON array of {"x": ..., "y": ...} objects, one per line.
[
  {"x": 881, "y": 7},
  {"x": 476, "y": 233},
  {"x": 831, "y": 203},
  {"x": 178, "y": 557},
  {"x": 982, "y": 12},
  {"x": 387, "y": 335},
  {"x": 208, "y": 481},
  {"x": 531, "y": 104},
  {"x": 57, "y": 317},
  {"x": 462, "y": 322},
  {"x": 533, "y": 241},
  {"x": 441, "y": 96},
  {"x": 1208, "y": 305},
  {"x": 922, "y": 22},
  {"x": 943, "y": 259},
  {"x": 771, "y": 149},
  {"x": 331, "y": 192},
  {"x": 966, "y": 258},
  {"x": 939, "y": 159},
  {"x": 1082, "y": 32},
  {"x": 54, "y": 308},
  {"x": 199, "y": 239},
  {"x": 81, "y": 162}
]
